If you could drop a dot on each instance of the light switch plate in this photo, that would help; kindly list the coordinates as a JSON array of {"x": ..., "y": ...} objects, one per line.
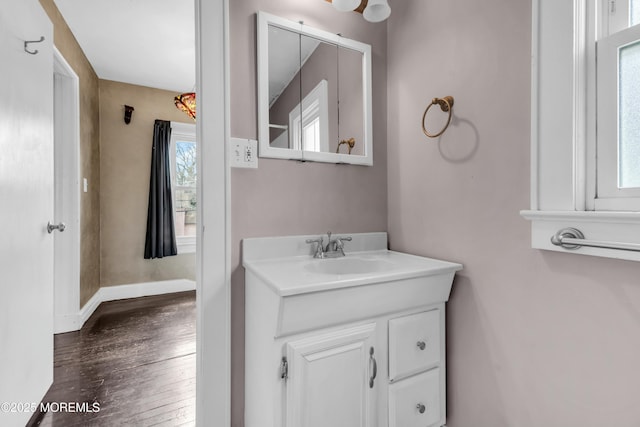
[{"x": 243, "y": 153}]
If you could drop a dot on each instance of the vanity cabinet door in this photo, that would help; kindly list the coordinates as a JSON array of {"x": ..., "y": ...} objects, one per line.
[{"x": 332, "y": 379}]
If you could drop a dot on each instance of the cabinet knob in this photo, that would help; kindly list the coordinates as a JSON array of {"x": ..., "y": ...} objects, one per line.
[
  {"x": 421, "y": 408},
  {"x": 421, "y": 345}
]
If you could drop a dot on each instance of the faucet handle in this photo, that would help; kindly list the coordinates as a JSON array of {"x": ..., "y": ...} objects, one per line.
[
  {"x": 339, "y": 242},
  {"x": 319, "y": 249}
]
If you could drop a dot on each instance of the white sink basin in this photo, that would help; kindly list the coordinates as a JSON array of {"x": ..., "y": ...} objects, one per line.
[
  {"x": 286, "y": 264},
  {"x": 347, "y": 265},
  {"x": 303, "y": 292}
]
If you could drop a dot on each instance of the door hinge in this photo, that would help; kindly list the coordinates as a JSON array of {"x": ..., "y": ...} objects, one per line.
[
  {"x": 612, "y": 7},
  {"x": 284, "y": 369}
]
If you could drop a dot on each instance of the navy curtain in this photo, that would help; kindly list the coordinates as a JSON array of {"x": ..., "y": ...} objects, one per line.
[{"x": 161, "y": 233}]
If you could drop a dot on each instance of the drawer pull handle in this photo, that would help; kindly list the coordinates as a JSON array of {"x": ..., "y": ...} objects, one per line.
[
  {"x": 421, "y": 345},
  {"x": 372, "y": 361},
  {"x": 421, "y": 408}
]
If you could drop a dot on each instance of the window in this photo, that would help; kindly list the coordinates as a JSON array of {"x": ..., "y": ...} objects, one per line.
[
  {"x": 618, "y": 108},
  {"x": 311, "y": 136},
  {"x": 183, "y": 181},
  {"x": 584, "y": 127},
  {"x": 311, "y": 132}
]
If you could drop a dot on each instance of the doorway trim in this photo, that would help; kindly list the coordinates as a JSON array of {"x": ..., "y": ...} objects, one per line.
[
  {"x": 213, "y": 263},
  {"x": 66, "y": 119}
]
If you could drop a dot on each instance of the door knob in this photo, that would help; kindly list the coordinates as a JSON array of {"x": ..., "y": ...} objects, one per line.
[
  {"x": 421, "y": 345},
  {"x": 421, "y": 408},
  {"x": 60, "y": 227}
]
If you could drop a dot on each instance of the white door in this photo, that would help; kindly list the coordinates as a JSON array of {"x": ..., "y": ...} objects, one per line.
[
  {"x": 66, "y": 117},
  {"x": 26, "y": 205},
  {"x": 332, "y": 379}
]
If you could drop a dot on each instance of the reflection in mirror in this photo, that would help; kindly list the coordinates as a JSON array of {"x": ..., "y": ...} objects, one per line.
[
  {"x": 319, "y": 90},
  {"x": 350, "y": 99},
  {"x": 284, "y": 83},
  {"x": 314, "y": 89},
  {"x": 303, "y": 92}
]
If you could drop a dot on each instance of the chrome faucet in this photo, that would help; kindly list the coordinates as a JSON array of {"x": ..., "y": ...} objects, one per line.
[{"x": 333, "y": 249}]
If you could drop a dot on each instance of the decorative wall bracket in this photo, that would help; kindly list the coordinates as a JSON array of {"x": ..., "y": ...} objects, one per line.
[{"x": 128, "y": 111}]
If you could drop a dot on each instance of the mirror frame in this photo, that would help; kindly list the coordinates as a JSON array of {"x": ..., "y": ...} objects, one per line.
[{"x": 265, "y": 150}]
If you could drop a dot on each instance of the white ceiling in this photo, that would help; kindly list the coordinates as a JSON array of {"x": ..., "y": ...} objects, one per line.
[{"x": 142, "y": 42}]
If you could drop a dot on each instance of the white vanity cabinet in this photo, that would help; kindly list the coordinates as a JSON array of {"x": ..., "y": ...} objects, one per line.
[
  {"x": 326, "y": 345},
  {"x": 331, "y": 378}
]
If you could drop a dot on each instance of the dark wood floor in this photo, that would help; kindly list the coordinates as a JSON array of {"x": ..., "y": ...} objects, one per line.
[{"x": 135, "y": 358}]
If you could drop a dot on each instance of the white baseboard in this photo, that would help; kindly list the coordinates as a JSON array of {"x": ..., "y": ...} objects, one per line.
[
  {"x": 136, "y": 290},
  {"x": 73, "y": 322},
  {"x": 87, "y": 310}
]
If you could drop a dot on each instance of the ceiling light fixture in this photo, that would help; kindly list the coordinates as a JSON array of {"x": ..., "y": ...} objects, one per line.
[
  {"x": 376, "y": 11},
  {"x": 345, "y": 5},
  {"x": 187, "y": 103},
  {"x": 372, "y": 10}
]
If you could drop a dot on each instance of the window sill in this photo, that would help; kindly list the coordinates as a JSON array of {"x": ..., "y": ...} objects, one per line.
[
  {"x": 623, "y": 227},
  {"x": 186, "y": 245}
]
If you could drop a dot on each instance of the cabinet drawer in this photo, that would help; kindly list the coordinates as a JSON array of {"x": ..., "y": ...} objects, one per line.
[
  {"x": 414, "y": 343},
  {"x": 415, "y": 401}
]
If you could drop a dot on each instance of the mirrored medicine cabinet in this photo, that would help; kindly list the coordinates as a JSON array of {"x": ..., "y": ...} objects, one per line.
[{"x": 314, "y": 94}]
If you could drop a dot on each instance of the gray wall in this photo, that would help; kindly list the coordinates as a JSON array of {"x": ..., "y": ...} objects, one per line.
[
  {"x": 125, "y": 164},
  {"x": 534, "y": 338},
  {"x": 286, "y": 197}
]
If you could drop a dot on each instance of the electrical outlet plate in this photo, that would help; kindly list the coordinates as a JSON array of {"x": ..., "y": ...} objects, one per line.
[{"x": 243, "y": 153}]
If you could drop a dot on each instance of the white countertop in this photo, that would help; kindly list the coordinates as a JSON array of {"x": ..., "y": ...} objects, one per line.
[{"x": 301, "y": 274}]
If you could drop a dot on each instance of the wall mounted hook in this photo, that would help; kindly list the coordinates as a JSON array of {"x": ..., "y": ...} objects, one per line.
[
  {"x": 128, "y": 110},
  {"x": 26, "y": 45}
]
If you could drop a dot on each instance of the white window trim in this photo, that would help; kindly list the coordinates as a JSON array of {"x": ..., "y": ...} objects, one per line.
[
  {"x": 618, "y": 20},
  {"x": 563, "y": 132},
  {"x": 184, "y": 132},
  {"x": 610, "y": 196},
  {"x": 314, "y": 105}
]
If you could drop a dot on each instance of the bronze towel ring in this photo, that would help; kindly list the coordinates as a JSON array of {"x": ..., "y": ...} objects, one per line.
[{"x": 446, "y": 105}]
